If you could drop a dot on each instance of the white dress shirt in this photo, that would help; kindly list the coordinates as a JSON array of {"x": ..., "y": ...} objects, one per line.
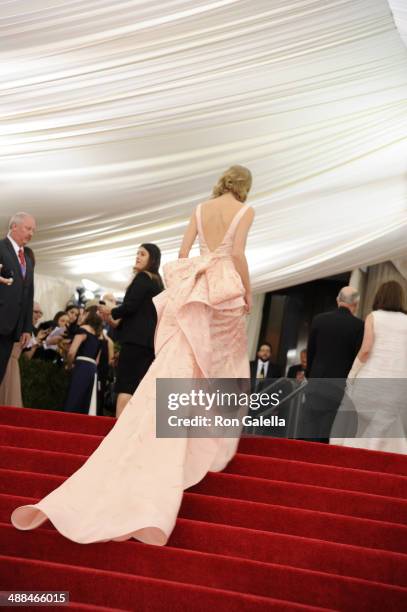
[
  {"x": 260, "y": 364},
  {"x": 15, "y": 245}
]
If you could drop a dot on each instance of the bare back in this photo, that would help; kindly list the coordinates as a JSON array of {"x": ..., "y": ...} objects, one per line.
[
  {"x": 219, "y": 219},
  {"x": 216, "y": 217}
]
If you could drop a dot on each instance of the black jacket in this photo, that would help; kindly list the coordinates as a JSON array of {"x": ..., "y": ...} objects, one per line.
[
  {"x": 137, "y": 313},
  {"x": 16, "y": 300},
  {"x": 273, "y": 371},
  {"x": 334, "y": 341},
  {"x": 294, "y": 369}
]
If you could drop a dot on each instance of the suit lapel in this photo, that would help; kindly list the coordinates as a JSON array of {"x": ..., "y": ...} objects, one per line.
[
  {"x": 15, "y": 258},
  {"x": 29, "y": 271}
]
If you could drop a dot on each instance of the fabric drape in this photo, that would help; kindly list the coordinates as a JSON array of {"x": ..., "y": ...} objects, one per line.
[{"x": 118, "y": 117}]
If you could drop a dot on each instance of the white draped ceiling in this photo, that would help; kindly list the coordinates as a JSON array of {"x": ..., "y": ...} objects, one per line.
[{"x": 118, "y": 116}]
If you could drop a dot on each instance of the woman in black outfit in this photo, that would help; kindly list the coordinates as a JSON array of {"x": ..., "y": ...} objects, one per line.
[{"x": 138, "y": 319}]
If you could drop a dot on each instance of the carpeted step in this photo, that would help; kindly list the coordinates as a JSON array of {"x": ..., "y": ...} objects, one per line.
[
  {"x": 130, "y": 592},
  {"x": 323, "y": 499},
  {"x": 350, "y": 479},
  {"x": 316, "y": 452},
  {"x": 289, "y": 525},
  {"x": 246, "y": 488},
  {"x": 320, "y": 474},
  {"x": 296, "y": 521},
  {"x": 251, "y": 543},
  {"x": 311, "y": 452},
  {"x": 167, "y": 563},
  {"x": 55, "y": 420},
  {"x": 42, "y": 439},
  {"x": 193, "y": 568},
  {"x": 298, "y": 551},
  {"x": 265, "y": 517}
]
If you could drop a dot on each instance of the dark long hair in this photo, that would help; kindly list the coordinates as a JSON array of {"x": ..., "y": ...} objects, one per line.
[
  {"x": 390, "y": 296},
  {"x": 94, "y": 320},
  {"x": 154, "y": 262},
  {"x": 57, "y": 316}
]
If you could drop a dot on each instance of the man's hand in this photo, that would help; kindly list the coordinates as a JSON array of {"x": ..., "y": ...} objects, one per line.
[
  {"x": 42, "y": 334},
  {"x": 5, "y": 281},
  {"x": 25, "y": 339}
]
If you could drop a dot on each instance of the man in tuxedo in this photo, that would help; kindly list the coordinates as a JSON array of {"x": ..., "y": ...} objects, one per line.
[
  {"x": 334, "y": 341},
  {"x": 16, "y": 287},
  {"x": 262, "y": 368}
]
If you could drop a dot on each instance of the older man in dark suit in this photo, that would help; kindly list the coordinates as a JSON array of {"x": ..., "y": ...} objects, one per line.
[
  {"x": 334, "y": 341},
  {"x": 16, "y": 287}
]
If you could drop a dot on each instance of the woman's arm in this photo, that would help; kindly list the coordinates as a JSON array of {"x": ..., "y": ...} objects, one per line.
[
  {"x": 368, "y": 339},
  {"x": 110, "y": 348},
  {"x": 238, "y": 254},
  {"x": 54, "y": 339},
  {"x": 189, "y": 237},
  {"x": 113, "y": 322},
  {"x": 55, "y": 336},
  {"x": 364, "y": 352},
  {"x": 41, "y": 336},
  {"x": 73, "y": 349}
]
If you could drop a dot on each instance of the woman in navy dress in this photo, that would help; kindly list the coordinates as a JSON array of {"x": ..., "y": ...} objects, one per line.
[{"x": 83, "y": 356}]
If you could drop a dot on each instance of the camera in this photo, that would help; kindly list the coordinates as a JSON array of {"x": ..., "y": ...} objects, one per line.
[{"x": 6, "y": 273}]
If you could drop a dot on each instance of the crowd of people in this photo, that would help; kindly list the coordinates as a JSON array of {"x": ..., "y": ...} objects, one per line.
[
  {"x": 356, "y": 373},
  {"x": 77, "y": 341},
  {"x": 136, "y": 477},
  {"x": 107, "y": 348}
]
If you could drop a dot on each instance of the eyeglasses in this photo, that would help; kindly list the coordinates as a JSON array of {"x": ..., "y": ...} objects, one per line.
[{"x": 38, "y": 312}]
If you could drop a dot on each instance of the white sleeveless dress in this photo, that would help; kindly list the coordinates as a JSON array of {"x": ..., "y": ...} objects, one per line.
[{"x": 379, "y": 392}]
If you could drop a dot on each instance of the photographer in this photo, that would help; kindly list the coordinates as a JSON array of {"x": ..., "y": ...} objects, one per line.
[{"x": 49, "y": 338}]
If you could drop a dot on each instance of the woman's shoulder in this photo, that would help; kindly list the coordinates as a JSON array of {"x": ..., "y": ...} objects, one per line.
[
  {"x": 227, "y": 210},
  {"x": 84, "y": 329},
  {"x": 141, "y": 276},
  {"x": 250, "y": 213},
  {"x": 387, "y": 313},
  {"x": 144, "y": 279},
  {"x": 233, "y": 204},
  {"x": 139, "y": 279},
  {"x": 390, "y": 317}
]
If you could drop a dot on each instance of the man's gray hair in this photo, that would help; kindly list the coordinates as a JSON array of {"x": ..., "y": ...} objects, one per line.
[
  {"x": 17, "y": 219},
  {"x": 348, "y": 297}
]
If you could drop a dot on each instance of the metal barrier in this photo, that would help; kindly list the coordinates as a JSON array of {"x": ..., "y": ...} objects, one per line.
[{"x": 289, "y": 407}]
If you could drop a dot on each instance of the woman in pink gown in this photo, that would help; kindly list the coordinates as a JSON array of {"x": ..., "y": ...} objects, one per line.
[{"x": 132, "y": 485}]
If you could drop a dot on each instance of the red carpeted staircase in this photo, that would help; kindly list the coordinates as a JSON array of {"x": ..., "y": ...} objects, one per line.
[{"x": 288, "y": 526}]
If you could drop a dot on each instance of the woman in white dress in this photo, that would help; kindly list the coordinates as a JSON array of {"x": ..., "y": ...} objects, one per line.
[{"x": 377, "y": 382}]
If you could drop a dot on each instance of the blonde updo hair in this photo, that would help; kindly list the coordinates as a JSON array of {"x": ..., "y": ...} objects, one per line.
[{"x": 236, "y": 180}]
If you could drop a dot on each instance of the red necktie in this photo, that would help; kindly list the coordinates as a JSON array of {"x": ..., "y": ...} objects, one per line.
[{"x": 23, "y": 264}]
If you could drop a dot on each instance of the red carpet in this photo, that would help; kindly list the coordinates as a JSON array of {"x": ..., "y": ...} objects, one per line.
[{"x": 289, "y": 526}]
